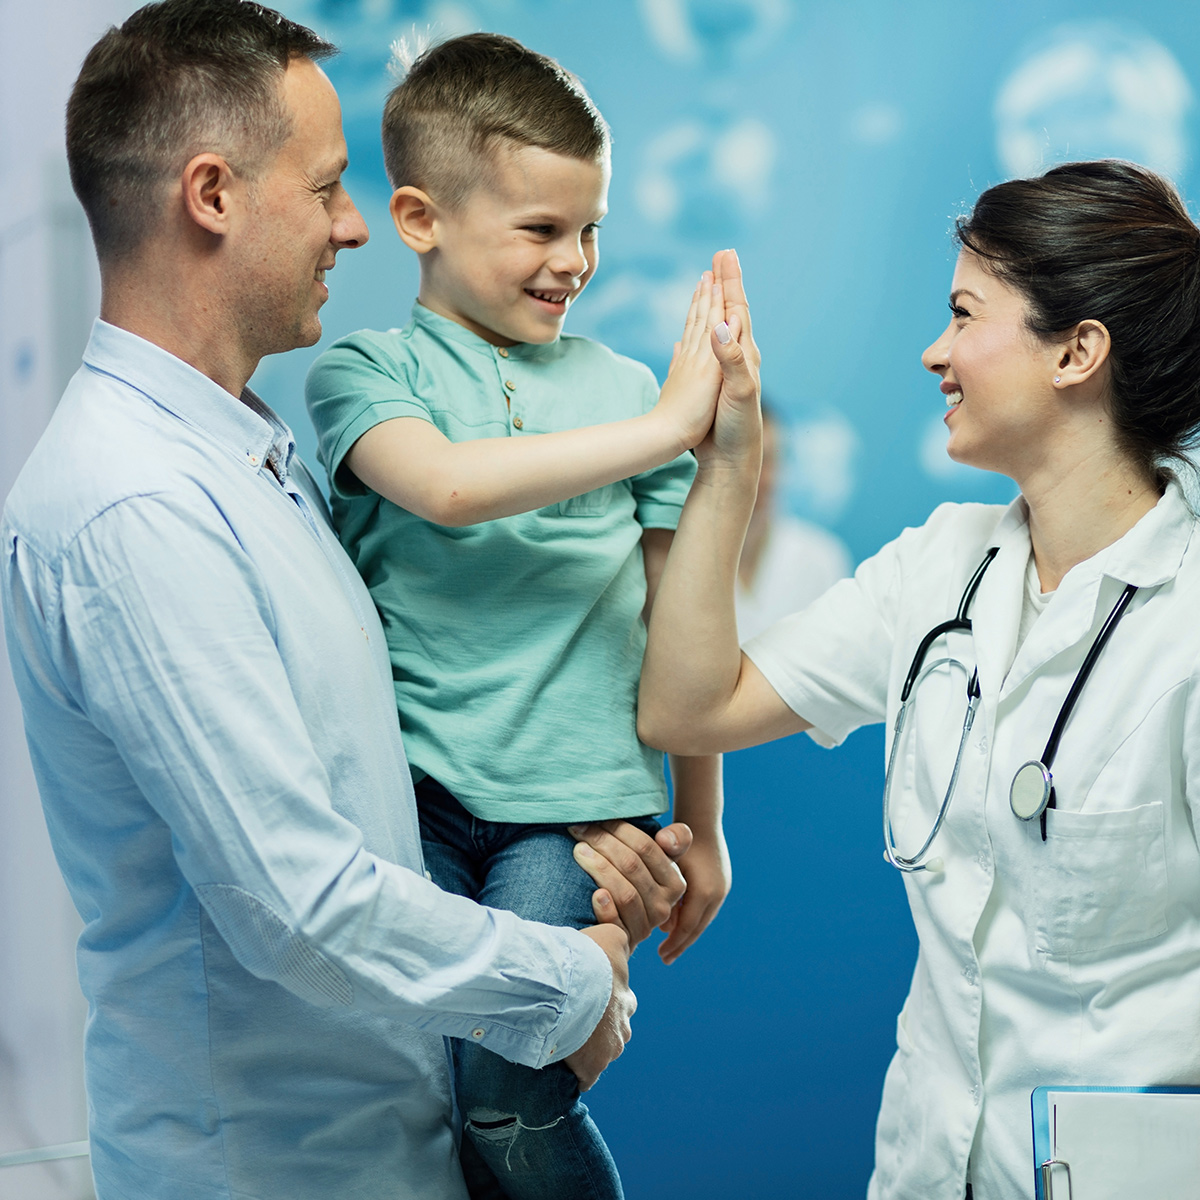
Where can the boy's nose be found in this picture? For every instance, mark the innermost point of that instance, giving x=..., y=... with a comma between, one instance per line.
x=569, y=259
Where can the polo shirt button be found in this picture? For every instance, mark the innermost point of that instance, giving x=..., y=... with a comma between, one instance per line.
x=477, y=1034
x=502, y=351
x=252, y=459
x=518, y=423
x=508, y=383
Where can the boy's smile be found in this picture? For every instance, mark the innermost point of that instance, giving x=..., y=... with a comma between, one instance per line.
x=510, y=260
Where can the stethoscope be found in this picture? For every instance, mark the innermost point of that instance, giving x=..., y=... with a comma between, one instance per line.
x=1032, y=790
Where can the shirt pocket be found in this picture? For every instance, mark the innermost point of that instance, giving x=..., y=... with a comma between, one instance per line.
x=1103, y=883
x=591, y=504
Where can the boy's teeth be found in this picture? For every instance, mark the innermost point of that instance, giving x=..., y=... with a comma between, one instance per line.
x=552, y=297
x=953, y=399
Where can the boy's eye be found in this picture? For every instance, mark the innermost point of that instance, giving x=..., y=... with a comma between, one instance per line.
x=540, y=230
x=590, y=231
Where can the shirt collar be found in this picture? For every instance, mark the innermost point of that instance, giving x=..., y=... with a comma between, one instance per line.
x=451, y=331
x=246, y=427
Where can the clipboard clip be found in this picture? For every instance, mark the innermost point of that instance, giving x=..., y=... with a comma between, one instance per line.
x=1047, y=1173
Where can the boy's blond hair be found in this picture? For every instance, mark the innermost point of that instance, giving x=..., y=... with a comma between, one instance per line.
x=462, y=97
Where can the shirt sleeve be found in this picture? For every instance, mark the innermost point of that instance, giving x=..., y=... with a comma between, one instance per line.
x=830, y=663
x=660, y=492
x=355, y=385
x=156, y=627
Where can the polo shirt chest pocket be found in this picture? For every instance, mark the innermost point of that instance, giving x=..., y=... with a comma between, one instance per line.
x=591, y=504
x=1102, y=883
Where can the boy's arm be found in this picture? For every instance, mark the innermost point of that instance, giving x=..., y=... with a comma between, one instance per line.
x=414, y=465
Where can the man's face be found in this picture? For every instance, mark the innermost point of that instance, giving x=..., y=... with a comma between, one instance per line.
x=299, y=217
x=509, y=262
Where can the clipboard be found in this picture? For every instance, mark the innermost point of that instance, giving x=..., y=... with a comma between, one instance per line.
x=1101, y=1143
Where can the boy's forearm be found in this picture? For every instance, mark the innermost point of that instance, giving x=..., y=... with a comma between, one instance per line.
x=462, y=483
x=699, y=796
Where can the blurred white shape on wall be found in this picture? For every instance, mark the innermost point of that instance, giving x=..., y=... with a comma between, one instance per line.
x=818, y=475
x=876, y=124
x=1094, y=90
x=695, y=31
x=931, y=452
x=636, y=312
x=698, y=171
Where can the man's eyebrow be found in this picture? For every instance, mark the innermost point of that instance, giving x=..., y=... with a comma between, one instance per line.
x=334, y=172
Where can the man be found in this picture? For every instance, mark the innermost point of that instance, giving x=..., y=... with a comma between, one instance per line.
x=206, y=687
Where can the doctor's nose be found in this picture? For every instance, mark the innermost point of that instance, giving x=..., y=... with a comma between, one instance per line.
x=936, y=357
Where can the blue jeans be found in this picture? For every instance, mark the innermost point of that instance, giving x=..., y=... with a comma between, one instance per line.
x=527, y=1134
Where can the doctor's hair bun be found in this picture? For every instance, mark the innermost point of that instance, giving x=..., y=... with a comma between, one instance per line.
x=1108, y=241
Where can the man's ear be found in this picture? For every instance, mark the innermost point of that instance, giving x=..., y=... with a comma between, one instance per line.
x=415, y=216
x=208, y=185
x=1083, y=353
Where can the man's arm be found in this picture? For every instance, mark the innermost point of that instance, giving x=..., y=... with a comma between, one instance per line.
x=162, y=633
x=413, y=464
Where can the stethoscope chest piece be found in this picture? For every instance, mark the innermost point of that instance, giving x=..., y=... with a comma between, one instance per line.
x=1031, y=789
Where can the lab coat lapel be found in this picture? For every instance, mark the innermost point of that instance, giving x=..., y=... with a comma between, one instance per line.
x=996, y=614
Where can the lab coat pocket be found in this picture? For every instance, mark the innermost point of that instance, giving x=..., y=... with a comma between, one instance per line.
x=1103, y=882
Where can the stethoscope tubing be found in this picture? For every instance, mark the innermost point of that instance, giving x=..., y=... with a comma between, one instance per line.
x=917, y=673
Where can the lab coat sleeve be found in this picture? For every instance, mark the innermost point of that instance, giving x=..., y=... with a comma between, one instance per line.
x=830, y=663
x=156, y=626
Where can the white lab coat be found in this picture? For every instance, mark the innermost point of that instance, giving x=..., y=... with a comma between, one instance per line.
x=1070, y=961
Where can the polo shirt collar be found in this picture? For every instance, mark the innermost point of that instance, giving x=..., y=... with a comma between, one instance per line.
x=245, y=427
x=451, y=331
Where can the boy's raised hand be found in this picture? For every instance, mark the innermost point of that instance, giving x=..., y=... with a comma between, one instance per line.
x=689, y=395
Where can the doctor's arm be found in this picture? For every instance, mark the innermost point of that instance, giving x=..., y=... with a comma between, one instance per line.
x=699, y=693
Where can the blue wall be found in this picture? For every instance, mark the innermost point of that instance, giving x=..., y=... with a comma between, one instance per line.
x=831, y=141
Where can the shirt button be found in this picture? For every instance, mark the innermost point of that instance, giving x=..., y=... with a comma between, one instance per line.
x=508, y=383
x=518, y=423
x=968, y=973
x=975, y=1094
x=477, y=1034
x=252, y=459
x=502, y=351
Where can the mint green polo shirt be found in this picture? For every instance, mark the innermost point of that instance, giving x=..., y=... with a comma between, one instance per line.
x=516, y=644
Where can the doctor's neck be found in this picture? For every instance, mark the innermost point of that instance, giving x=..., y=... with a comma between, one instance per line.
x=1075, y=513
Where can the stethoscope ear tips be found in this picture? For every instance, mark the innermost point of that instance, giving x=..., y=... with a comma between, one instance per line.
x=935, y=866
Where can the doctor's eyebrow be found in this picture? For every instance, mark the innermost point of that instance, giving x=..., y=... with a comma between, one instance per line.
x=954, y=295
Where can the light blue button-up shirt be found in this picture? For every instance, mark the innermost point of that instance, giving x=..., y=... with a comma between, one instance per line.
x=208, y=704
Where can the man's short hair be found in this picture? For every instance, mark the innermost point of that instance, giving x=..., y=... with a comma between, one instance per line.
x=177, y=79
x=463, y=97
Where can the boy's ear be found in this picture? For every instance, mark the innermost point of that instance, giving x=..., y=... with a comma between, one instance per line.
x=415, y=216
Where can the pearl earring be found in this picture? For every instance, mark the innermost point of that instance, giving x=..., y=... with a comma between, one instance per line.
x=1058, y=379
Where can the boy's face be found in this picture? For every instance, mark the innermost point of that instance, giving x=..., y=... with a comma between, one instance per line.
x=510, y=260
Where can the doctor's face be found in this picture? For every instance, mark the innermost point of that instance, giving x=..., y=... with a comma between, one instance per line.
x=997, y=376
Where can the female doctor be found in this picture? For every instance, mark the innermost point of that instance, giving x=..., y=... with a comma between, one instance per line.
x=1049, y=838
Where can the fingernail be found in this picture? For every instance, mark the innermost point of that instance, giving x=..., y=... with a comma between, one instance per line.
x=577, y=830
x=672, y=839
x=584, y=850
x=602, y=901
x=723, y=334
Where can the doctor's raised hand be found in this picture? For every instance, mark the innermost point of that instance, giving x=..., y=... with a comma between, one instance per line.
x=1036, y=666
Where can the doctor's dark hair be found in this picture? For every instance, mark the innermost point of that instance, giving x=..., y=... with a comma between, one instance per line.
x=463, y=97
x=175, y=80
x=1112, y=242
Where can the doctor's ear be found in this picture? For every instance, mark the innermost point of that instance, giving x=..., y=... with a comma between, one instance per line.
x=1082, y=354
x=209, y=185
x=415, y=216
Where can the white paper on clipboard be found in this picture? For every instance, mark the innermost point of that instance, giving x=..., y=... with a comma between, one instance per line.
x=1126, y=1144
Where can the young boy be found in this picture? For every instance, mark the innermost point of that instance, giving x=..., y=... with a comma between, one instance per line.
x=509, y=495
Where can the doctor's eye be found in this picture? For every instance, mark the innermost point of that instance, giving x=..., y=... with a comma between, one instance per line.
x=958, y=311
